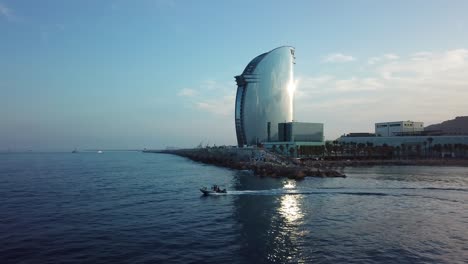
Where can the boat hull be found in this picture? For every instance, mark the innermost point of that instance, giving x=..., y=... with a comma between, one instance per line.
x=210, y=192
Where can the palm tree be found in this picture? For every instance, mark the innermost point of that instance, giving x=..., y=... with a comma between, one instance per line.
x=353, y=148
x=450, y=149
x=425, y=149
x=438, y=148
x=398, y=149
x=403, y=150
x=346, y=148
x=464, y=149
x=418, y=150
x=385, y=150
x=328, y=148
x=370, y=148
x=360, y=147
x=281, y=147
x=430, y=140
x=291, y=151
x=391, y=150
x=445, y=148
x=456, y=149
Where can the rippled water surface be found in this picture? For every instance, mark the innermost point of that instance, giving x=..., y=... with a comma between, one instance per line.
x=130, y=207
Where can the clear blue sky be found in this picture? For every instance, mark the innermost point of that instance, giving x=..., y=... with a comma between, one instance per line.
x=156, y=73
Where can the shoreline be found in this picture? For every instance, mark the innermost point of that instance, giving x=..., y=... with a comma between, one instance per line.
x=268, y=165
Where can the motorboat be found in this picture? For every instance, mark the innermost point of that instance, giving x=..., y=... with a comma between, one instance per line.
x=213, y=190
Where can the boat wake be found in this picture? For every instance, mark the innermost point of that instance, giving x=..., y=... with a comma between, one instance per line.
x=305, y=191
x=396, y=192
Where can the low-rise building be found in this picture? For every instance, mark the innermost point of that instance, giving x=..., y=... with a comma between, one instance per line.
x=411, y=137
x=389, y=129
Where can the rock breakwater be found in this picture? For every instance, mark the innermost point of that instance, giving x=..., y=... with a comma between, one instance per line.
x=261, y=162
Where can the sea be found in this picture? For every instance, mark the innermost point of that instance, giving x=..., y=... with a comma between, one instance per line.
x=133, y=207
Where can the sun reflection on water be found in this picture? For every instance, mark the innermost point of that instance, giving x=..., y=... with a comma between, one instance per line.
x=290, y=207
x=289, y=185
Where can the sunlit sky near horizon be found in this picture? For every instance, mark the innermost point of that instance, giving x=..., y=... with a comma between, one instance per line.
x=119, y=74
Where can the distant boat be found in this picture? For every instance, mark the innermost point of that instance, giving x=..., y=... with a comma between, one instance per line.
x=99, y=151
x=75, y=151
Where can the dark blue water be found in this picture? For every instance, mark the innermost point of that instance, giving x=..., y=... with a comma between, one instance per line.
x=129, y=207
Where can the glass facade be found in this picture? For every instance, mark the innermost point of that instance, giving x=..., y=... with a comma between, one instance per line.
x=265, y=96
x=300, y=131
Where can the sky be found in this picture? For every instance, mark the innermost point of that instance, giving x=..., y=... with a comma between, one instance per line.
x=133, y=74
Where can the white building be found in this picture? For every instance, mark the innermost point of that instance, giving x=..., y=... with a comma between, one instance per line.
x=398, y=128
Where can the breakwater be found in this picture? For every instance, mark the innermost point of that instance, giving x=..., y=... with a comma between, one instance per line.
x=261, y=162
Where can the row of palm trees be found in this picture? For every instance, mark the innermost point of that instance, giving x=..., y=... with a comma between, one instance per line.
x=424, y=150
x=354, y=150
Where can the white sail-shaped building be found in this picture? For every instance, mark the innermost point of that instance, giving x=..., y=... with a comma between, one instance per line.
x=265, y=96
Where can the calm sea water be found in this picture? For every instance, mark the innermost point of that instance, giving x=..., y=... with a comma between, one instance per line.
x=130, y=207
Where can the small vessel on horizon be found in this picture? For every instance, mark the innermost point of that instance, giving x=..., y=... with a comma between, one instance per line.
x=75, y=151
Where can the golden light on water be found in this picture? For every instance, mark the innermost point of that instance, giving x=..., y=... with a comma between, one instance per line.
x=289, y=185
x=290, y=208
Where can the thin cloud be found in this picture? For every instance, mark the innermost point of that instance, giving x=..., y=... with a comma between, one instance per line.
x=383, y=58
x=423, y=66
x=358, y=84
x=390, y=56
x=327, y=84
x=223, y=106
x=161, y=5
x=165, y=3
x=424, y=86
x=6, y=12
x=211, y=96
x=187, y=92
x=338, y=57
x=373, y=60
x=47, y=31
